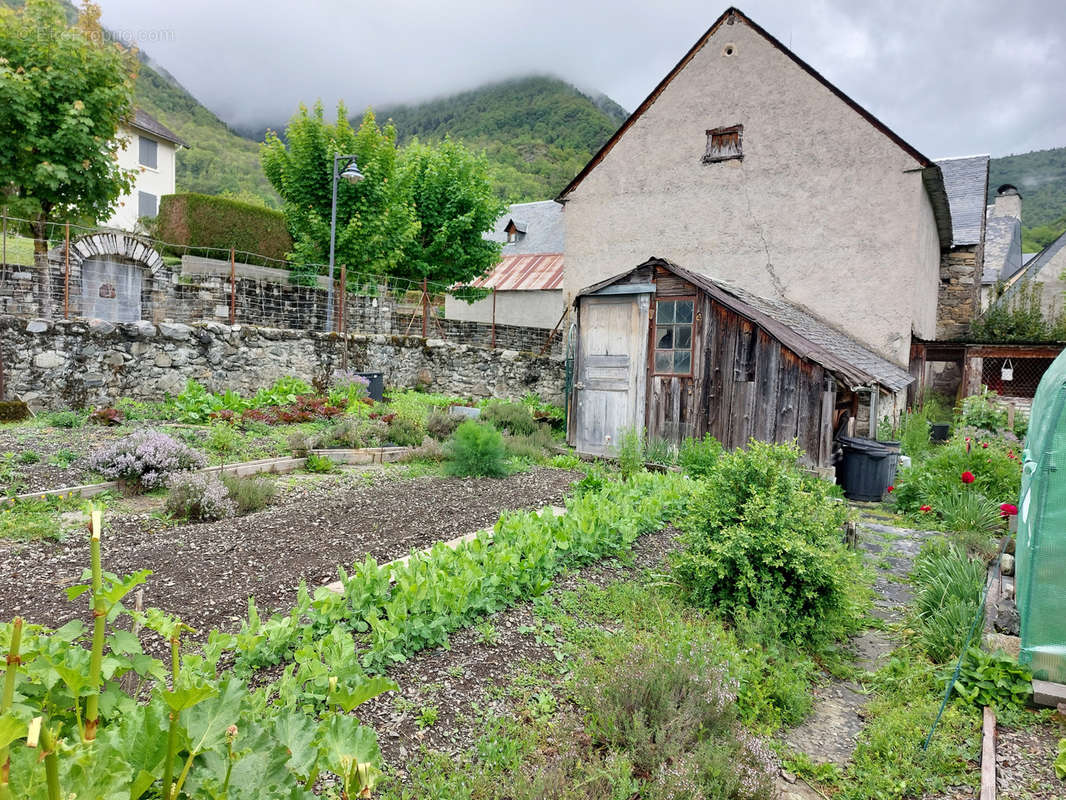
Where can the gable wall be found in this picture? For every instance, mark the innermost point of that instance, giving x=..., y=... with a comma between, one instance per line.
x=820, y=194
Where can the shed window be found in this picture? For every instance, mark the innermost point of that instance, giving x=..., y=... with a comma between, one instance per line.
x=724, y=144
x=148, y=155
x=673, y=336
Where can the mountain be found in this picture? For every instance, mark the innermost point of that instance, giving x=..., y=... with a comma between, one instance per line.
x=537, y=132
x=1041, y=178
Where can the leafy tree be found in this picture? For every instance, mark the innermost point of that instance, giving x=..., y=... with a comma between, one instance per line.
x=376, y=222
x=63, y=92
x=455, y=204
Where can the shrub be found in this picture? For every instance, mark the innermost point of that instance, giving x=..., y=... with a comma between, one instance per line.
x=319, y=463
x=514, y=418
x=440, y=424
x=145, y=457
x=65, y=419
x=698, y=456
x=429, y=450
x=476, y=449
x=761, y=535
x=249, y=493
x=219, y=223
x=348, y=388
x=533, y=447
x=300, y=442
x=406, y=432
x=199, y=497
x=355, y=433
x=948, y=592
x=996, y=469
x=983, y=411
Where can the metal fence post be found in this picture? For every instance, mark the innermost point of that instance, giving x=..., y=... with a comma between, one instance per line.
x=66, y=272
x=493, y=317
x=425, y=309
x=232, y=286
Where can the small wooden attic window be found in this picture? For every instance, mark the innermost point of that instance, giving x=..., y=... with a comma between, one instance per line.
x=724, y=144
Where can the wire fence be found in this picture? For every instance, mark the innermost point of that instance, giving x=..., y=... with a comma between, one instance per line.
x=97, y=273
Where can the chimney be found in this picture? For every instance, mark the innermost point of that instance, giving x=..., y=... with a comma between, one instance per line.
x=1008, y=202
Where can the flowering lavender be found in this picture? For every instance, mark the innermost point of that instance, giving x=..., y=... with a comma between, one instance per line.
x=350, y=382
x=147, y=457
x=199, y=496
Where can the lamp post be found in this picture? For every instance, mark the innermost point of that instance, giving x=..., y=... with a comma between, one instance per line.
x=352, y=174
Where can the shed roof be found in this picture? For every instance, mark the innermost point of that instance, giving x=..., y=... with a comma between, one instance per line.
x=1035, y=265
x=1003, y=248
x=144, y=121
x=541, y=226
x=966, y=184
x=525, y=272
x=804, y=334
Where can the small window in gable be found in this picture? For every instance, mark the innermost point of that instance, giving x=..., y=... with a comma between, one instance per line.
x=724, y=144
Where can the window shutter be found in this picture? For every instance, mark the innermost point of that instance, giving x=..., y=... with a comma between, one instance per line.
x=149, y=153
x=147, y=204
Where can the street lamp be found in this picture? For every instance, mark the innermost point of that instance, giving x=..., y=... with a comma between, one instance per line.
x=351, y=174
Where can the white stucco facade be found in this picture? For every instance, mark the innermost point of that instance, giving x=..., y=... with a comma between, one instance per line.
x=823, y=210
x=151, y=181
x=533, y=308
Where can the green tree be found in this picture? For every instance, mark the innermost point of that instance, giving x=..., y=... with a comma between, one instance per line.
x=455, y=204
x=63, y=93
x=375, y=219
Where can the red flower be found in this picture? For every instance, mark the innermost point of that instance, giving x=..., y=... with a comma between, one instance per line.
x=1008, y=510
x=967, y=477
x=984, y=445
x=925, y=509
x=1010, y=454
x=891, y=488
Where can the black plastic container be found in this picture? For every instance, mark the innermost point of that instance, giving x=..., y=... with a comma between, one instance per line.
x=867, y=469
x=939, y=431
x=376, y=389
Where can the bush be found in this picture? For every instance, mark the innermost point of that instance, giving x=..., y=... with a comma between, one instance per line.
x=697, y=457
x=355, y=433
x=948, y=592
x=199, y=497
x=996, y=469
x=219, y=223
x=630, y=453
x=534, y=447
x=145, y=457
x=319, y=463
x=249, y=493
x=429, y=450
x=514, y=418
x=983, y=411
x=65, y=419
x=440, y=424
x=406, y=432
x=476, y=449
x=761, y=535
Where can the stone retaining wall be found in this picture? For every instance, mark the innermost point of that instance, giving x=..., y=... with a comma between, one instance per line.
x=90, y=363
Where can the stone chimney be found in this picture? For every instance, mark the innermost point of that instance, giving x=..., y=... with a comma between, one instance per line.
x=1008, y=202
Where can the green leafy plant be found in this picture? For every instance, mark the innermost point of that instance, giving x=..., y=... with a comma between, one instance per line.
x=405, y=432
x=984, y=412
x=440, y=424
x=993, y=679
x=515, y=418
x=630, y=453
x=65, y=419
x=64, y=458
x=697, y=457
x=249, y=493
x=27, y=457
x=428, y=716
x=659, y=451
x=763, y=536
x=476, y=449
x=1060, y=761
x=319, y=463
x=947, y=598
x=967, y=510
x=996, y=469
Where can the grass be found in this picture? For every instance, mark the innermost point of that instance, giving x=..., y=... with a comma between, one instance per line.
x=19, y=250
x=36, y=518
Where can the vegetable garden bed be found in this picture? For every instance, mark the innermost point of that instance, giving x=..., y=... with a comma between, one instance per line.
x=206, y=572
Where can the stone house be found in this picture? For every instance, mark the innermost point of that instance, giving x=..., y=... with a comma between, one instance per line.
x=527, y=283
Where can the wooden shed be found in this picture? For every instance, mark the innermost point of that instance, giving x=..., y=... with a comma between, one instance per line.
x=676, y=354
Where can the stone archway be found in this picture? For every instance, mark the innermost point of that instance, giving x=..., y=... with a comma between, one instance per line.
x=114, y=276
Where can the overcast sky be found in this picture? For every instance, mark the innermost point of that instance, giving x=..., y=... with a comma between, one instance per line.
x=952, y=77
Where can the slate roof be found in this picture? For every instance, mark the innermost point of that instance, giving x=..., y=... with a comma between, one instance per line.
x=966, y=183
x=532, y=272
x=541, y=226
x=1036, y=263
x=804, y=334
x=144, y=121
x=1003, y=248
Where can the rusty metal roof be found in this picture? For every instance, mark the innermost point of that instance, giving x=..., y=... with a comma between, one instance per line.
x=527, y=272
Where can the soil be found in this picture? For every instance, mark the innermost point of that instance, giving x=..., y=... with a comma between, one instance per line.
x=468, y=682
x=206, y=572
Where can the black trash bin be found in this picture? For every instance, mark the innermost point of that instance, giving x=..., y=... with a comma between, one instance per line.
x=867, y=469
x=376, y=388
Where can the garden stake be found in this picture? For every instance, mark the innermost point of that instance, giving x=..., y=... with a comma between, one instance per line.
x=172, y=733
x=6, y=700
x=92, y=704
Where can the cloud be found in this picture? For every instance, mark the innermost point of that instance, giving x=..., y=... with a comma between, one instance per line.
x=951, y=78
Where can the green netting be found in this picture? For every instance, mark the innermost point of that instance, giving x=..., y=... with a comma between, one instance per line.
x=1041, y=545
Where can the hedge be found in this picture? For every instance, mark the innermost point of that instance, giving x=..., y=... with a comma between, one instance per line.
x=202, y=221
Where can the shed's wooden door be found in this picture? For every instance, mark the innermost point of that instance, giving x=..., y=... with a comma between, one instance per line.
x=610, y=385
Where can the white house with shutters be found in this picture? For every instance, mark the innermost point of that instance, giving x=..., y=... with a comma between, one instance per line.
x=151, y=149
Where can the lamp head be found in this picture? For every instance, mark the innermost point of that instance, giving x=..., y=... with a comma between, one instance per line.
x=351, y=172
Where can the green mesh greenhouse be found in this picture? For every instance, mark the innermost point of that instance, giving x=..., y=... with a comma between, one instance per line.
x=1041, y=545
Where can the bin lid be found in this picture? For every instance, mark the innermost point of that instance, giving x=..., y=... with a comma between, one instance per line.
x=870, y=446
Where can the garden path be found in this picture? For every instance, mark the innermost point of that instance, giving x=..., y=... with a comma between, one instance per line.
x=829, y=734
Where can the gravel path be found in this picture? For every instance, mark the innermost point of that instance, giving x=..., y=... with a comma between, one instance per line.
x=206, y=572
